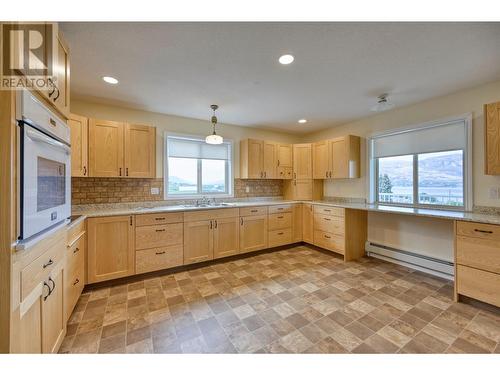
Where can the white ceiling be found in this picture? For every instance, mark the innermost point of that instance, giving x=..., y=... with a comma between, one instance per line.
x=339, y=68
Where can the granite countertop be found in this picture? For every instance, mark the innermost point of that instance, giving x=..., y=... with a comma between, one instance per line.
x=99, y=210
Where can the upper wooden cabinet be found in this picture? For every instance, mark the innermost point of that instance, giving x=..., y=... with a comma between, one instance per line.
x=265, y=160
x=119, y=149
x=302, y=161
x=337, y=158
x=62, y=74
x=79, y=145
x=492, y=138
x=110, y=248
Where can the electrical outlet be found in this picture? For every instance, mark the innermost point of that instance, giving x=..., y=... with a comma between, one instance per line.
x=247, y=189
x=493, y=192
x=155, y=191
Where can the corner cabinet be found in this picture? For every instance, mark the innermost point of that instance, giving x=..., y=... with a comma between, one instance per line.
x=79, y=127
x=110, y=248
x=118, y=149
x=492, y=138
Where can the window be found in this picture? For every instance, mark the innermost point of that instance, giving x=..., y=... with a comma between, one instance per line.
x=194, y=168
x=424, y=166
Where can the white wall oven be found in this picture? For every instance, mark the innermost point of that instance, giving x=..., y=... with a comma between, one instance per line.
x=45, y=169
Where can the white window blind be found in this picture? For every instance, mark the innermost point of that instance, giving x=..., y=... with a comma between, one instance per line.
x=179, y=147
x=448, y=136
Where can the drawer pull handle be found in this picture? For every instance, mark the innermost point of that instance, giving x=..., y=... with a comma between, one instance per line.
x=49, y=263
x=483, y=231
x=160, y=230
x=160, y=218
x=241, y=221
x=76, y=281
x=327, y=236
x=280, y=233
x=280, y=217
x=327, y=219
x=160, y=252
x=279, y=208
x=48, y=294
x=254, y=210
x=324, y=209
x=77, y=249
x=53, y=283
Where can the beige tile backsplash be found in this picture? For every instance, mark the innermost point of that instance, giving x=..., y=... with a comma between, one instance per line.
x=92, y=190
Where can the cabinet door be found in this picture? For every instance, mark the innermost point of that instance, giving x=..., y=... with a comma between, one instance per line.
x=62, y=74
x=307, y=223
x=198, y=241
x=297, y=222
x=492, y=138
x=79, y=145
x=53, y=318
x=269, y=160
x=340, y=158
x=106, y=148
x=255, y=158
x=226, y=237
x=253, y=233
x=110, y=248
x=303, y=189
x=28, y=329
x=321, y=160
x=284, y=153
x=140, y=151
x=302, y=161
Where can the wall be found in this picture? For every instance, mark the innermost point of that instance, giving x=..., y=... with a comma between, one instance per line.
x=431, y=237
x=180, y=125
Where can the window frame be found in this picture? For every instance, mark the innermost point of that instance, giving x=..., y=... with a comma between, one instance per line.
x=373, y=165
x=229, y=170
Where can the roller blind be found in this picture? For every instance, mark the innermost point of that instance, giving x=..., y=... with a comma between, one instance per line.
x=196, y=149
x=444, y=137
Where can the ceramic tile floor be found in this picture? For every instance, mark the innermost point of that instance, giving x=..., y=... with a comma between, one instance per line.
x=297, y=300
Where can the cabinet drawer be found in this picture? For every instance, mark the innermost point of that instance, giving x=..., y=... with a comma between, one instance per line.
x=75, y=231
x=74, y=280
x=285, y=173
x=280, y=237
x=481, y=285
x=280, y=209
x=158, y=236
x=479, y=253
x=210, y=214
x=162, y=218
x=280, y=221
x=331, y=211
x=38, y=270
x=330, y=224
x=478, y=230
x=253, y=211
x=75, y=252
x=329, y=241
x=158, y=258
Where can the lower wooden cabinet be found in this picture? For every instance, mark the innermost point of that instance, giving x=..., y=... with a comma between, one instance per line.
x=159, y=258
x=53, y=318
x=226, y=237
x=198, y=241
x=253, y=233
x=110, y=248
x=297, y=222
x=74, y=276
x=307, y=223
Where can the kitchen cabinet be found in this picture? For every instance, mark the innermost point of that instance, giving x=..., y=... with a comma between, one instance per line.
x=253, y=232
x=198, y=241
x=140, y=151
x=61, y=73
x=118, y=149
x=106, y=148
x=337, y=158
x=251, y=158
x=79, y=145
x=110, y=248
x=297, y=222
x=305, y=190
x=307, y=222
x=265, y=160
x=492, y=138
x=226, y=237
x=74, y=275
x=302, y=161
x=269, y=160
x=285, y=161
x=53, y=318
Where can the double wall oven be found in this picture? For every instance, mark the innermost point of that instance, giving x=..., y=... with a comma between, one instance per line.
x=44, y=166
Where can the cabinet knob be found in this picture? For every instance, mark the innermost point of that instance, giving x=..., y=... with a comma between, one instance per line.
x=49, y=263
x=76, y=281
x=77, y=249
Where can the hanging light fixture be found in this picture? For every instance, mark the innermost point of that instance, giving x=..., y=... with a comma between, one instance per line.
x=383, y=104
x=214, y=138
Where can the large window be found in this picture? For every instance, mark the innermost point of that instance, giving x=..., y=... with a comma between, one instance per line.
x=424, y=166
x=194, y=168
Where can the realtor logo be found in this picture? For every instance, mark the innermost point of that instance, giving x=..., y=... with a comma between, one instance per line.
x=27, y=55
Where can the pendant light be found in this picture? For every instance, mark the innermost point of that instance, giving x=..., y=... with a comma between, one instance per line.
x=383, y=104
x=214, y=138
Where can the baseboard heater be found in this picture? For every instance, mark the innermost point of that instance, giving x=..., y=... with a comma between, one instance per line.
x=433, y=266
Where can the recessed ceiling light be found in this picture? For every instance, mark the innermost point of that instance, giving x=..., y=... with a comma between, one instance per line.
x=286, y=59
x=110, y=80
x=302, y=121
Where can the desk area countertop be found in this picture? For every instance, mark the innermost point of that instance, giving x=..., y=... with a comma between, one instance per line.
x=99, y=210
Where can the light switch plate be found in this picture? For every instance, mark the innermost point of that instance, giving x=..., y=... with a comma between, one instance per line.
x=247, y=189
x=155, y=191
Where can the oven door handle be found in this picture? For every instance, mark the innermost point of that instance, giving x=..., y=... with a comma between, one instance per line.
x=37, y=137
